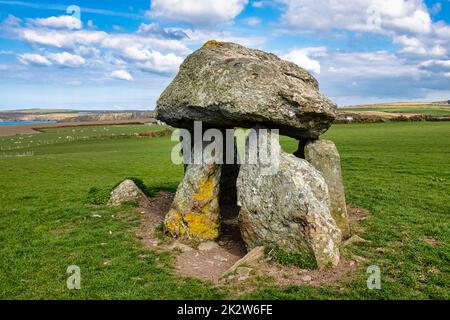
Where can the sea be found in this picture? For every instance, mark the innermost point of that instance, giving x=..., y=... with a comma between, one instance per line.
x=15, y=123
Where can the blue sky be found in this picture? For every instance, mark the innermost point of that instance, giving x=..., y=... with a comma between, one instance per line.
x=121, y=54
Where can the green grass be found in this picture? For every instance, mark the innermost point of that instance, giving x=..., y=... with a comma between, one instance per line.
x=432, y=110
x=399, y=171
x=63, y=135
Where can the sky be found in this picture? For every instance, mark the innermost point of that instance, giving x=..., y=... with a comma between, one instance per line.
x=117, y=55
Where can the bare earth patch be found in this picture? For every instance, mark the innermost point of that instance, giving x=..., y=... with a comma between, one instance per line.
x=210, y=260
x=153, y=214
x=287, y=276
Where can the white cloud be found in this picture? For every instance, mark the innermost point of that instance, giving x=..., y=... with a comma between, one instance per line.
x=412, y=45
x=87, y=51
x=69, y=39
x=152, y=60
x=378, y=76
x=34, y=59
x=360, y=15
x=252, y=21
x=198, y=12
x=155, y=30
x=67, y=59
x=261, y=3
x=156, y=62
x=436, y=66
x=121, y=75
x=62, y=38
x=61, y=59
x=369, y=64
x=60, y=22
x=151, y=48
x=406, y=23
x=301, y=57
x=195, y=37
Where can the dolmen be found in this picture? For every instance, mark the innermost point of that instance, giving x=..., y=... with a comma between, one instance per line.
x=292, y=202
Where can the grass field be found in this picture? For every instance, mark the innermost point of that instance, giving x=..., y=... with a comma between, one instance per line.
x=432, y=110
x=400, y=172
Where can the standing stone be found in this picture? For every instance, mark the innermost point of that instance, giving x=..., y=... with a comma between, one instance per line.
x=324, y=156
x=288, y=209
x=195, y=209
x=227, y=85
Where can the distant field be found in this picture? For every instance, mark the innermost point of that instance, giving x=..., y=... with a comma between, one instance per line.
x=36, y=128
x=61, y=135
x=398, y=171
x=74, y=116
x=433, y=110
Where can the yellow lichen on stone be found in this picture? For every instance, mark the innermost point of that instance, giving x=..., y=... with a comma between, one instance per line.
x=200, y=226
x=196, y=213
x=174, y=224
x=212, y=43
x=205, y=189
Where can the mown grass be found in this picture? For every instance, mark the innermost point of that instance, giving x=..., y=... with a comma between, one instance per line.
x=398, y=171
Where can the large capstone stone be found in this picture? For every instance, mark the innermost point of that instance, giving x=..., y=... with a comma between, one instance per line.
x=227, y=85
x=289, y=210
x=324, y=156
x=195, y=212
x=125, y=192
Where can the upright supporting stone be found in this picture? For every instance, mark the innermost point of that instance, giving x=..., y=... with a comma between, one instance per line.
x=324, y=156
x=195, y=210
x=289, y=210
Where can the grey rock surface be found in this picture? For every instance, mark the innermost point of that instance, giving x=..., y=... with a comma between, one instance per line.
x=288, y=210
x=126, y=191
x=227, y=85
x=324, y=156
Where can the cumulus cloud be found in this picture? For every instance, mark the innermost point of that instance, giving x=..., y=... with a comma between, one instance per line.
x=378, y=76
x=60, y=22
x=197, y=12
x=416, y=46
x=64, y=39
x=67, y=59
x=413, y=67
x=154, y=29
x=61, y=38
x=88, y=52
x=61, y=59
x=121, y=75
x=436, y=66
x=302, y=57
x=201, y=36
x=154, y=61
x=361, y=15
x=407, y=23
x=34, y=59
x=261, y=3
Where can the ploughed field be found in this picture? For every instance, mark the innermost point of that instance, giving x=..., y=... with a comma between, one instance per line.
x=399, y=172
